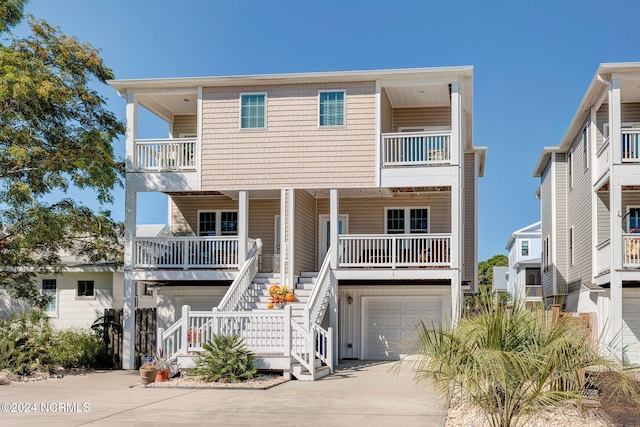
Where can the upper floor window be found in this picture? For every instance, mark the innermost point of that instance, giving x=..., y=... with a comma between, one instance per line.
x=331, y=112
x=524, y=248
x=633, y=219
x=85, y=288
x=397, y=223
x=215, y=223
x=252, y=110
x=546, y=253
x=570, y=167
x=585, y=157
x=49, y=288
x=571, y=245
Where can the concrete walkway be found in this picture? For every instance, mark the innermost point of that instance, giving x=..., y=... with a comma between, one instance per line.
x=358, y=394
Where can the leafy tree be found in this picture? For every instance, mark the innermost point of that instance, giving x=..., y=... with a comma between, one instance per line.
x=485, y=268
x=55, y=133
x=511, y=363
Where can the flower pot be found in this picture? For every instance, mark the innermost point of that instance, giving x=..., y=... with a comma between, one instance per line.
x=148, y=375
x=160, y=377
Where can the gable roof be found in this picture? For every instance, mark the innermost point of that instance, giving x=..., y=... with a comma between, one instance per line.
x=535, y=228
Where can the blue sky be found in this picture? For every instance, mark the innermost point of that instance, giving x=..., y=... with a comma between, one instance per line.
x=533, y=62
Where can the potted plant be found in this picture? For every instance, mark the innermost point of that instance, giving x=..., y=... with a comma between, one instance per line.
x=163, y=364
x=148, y=370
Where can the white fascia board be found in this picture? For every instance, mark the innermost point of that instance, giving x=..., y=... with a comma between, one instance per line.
x=408, y=74
x=544, y=159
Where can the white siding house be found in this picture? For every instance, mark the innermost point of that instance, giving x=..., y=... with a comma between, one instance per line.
x=358, y=189
x=590, y=210
x=524, y=251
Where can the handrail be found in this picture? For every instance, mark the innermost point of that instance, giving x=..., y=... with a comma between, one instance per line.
x=165, y=154
x=242, y=282
x=169, y=340
x=416, y=148
x=319, y=298
x=323, y=344
x=301, y=346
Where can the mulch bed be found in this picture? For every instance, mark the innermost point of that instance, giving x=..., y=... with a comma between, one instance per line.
x=622, y=411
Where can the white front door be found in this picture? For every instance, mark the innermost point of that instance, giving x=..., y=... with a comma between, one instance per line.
x=325, y=233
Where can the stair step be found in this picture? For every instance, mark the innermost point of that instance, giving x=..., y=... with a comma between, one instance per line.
x=309, y=274
x=304, y=375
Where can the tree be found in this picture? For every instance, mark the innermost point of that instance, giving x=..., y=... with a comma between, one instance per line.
x=55, y=134
x=510, y=362
x=485, y=268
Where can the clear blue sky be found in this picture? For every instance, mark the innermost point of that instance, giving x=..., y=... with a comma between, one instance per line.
x=533, y=62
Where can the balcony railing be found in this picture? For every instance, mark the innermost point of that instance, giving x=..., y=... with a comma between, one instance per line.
x=630, y=145
x=394, y=250
x=416, y=148
x=533, y=291
x=170, y=154
x=631, y=250
x=187, y=252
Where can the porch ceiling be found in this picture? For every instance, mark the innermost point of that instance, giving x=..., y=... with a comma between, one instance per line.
x=419, y=96
x=630, y=90
x=168, y=105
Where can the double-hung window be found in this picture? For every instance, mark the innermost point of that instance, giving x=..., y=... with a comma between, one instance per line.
x=331, y=111
x=49, y=288
x=253, y=110
x=525, y=248
x=217, y=223
x=85, y=288
x=407, y=220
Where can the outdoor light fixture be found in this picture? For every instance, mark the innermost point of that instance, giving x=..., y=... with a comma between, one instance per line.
x=349, y=299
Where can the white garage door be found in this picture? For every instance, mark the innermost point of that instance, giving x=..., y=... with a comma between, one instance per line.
x=389, y=323
x=631, y=331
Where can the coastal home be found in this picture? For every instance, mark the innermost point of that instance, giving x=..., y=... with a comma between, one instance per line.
x=590, y=210
x=357, y=189
x=79, y=295
x=524, y=281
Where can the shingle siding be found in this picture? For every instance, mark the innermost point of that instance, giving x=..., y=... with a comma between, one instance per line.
x=293, y=151
x=185, y=125
x=305, y=232
x=425, y=116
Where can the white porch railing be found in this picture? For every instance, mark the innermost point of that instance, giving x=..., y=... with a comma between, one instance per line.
x=263, y=331
x=187, y=252
x=166, y=154
x=319, y=299
x=630, y=145
x=234, y=297
x=603, y=257
x=631, y=250
x=394, y=250
x=416, y=148
x=602, y=159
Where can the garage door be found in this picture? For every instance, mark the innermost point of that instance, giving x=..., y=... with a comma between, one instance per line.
x=389, y=323
x=631, y=331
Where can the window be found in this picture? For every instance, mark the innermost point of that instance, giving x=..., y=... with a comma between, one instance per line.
x=524, y=248
x=49, y=288
x=571, y=245
x=633, y=219
x=546, y=254
x=85, y=288
x=252, y=111
x=585, y=156
x=570, y=168
x=418, y=220
x=605, y=131
x=217, y=223
x=331, y=110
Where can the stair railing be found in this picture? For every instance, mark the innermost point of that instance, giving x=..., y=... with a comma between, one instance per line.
x=235, y=294
x=319, y=298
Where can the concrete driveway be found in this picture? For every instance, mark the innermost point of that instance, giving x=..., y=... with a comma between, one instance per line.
x=358, y=394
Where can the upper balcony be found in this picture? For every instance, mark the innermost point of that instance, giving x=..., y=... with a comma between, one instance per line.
x=629, y=152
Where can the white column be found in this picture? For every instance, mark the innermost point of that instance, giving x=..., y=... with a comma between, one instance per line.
x=198, y=152
x=615, y=213
x=131, y=131
x=456, y=238
x=593, y=129
x=292, y=236
x=333, y=315
x=129, y=327
x=334, y=210
x=284, y=244
x=456, y=135
x=243, y=226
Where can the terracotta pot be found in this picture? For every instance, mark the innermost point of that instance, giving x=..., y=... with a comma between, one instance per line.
x=165, y=373
x=148, y=375
x=160, y=377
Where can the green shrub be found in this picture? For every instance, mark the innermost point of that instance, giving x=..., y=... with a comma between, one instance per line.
x=77, y=349
x=25, y=343
x=225, y=357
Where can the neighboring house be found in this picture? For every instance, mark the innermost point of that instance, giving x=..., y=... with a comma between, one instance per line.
x=499, y=281
x=524, y=278
x=357, y=188
x=590, y=210
x=79, y=295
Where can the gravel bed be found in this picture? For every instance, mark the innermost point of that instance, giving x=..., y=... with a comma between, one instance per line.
x=465, y=415
x=262, y=382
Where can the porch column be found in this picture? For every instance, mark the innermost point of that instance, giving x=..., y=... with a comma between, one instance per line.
x=128, y=345
x=456, y=136
x=334, y=210
x=128, y=328
x=615, y=213
x=455, y=248
x=284, y=244
x=243, y=226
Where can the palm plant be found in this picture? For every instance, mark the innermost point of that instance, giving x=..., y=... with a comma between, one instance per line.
x=510, y=362
x=225, y=357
